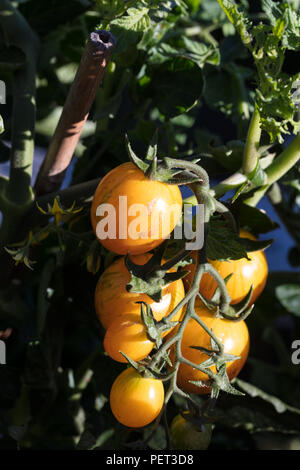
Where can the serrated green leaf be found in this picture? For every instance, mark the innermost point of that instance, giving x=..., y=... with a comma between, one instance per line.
x=202, y=53
x=128, y=28
x=267, y=44
x=255, y=245
x=222, y=243
x=238, y=19
x=230, y=156
x=272, y=10
x=253, y=219
x=276, y=107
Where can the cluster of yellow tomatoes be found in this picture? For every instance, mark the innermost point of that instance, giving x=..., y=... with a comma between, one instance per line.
x=136, y=400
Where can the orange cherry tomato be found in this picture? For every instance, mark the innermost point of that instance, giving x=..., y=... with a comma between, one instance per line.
x=233, y=335
x=152, y=210
x=136, y=401
x=129, y=335
x=244, y=274
x=113, y=300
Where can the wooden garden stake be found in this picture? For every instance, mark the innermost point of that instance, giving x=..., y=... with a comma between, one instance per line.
x=75, y=112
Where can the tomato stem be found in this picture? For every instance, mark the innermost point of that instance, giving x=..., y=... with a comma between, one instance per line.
x=278, y=168
x=16, y=194
x=232, y=182
x=251, y=154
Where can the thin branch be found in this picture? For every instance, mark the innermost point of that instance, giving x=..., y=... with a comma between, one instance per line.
x=278, y=168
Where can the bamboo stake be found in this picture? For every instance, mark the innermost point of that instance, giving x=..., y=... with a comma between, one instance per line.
x=75, y=112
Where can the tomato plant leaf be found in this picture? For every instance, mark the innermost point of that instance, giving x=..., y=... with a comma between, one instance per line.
x=255, y=245
x=177, y=85
x=230, y=156
x=289, y=297
x=222, y=243
x=274, y=98
x=272, y=9
x=128, y=28
x=225, y=90
x=202, y=53
x=253, y=219
x=238, y=19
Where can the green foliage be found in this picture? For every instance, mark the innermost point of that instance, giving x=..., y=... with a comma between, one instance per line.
x=289, y=296
x=254, y=220
x=128, y=29
x=188, y=68
x=223, y=244
x=268, y=44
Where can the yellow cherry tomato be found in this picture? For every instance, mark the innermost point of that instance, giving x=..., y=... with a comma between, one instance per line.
x=129, y=335
x=112, y=299
x=244, y=274
x=144, y=216
x=136, y=401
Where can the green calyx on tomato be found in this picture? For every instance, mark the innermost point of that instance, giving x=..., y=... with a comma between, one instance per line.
x=234, y=337
x=165, y=170
x=154, y=275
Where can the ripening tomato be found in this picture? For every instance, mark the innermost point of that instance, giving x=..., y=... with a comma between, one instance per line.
x=244, y=274
x=186, y=436
x=129, y=335
x=136, y=401
x=113, y=300
x=131, y=213
x=233, y=335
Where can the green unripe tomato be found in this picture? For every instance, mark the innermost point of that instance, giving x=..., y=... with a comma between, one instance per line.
x=186, y=436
